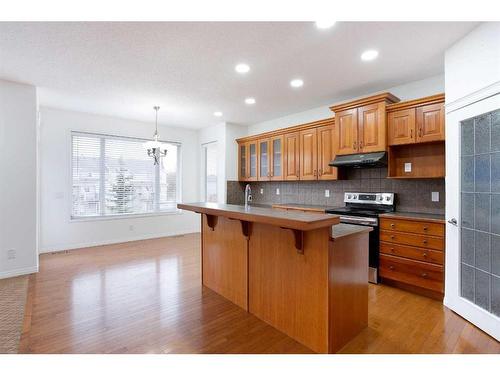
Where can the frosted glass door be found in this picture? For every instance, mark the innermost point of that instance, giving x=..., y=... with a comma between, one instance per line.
x=472, y=266
x=480, y=211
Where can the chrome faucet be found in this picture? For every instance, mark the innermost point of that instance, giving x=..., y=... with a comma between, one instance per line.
x=248, y=195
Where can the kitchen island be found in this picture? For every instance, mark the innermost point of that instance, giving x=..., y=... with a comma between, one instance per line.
x=303, y=273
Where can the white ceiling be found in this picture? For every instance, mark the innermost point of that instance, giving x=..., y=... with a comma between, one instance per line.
x=123, y=69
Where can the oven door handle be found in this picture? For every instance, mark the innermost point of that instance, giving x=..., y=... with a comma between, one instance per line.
x=359, y=220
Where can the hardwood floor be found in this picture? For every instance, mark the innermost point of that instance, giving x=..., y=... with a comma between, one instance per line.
x=146, y=297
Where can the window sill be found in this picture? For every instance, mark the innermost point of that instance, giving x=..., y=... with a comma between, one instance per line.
x=121, y=217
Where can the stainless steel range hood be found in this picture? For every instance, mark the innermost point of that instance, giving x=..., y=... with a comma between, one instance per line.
x=371, y=159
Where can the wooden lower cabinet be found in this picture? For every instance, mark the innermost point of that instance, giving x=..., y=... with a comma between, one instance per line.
x=412, y=255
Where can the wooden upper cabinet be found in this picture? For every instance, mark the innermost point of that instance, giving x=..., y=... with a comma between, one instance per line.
x=326, y=152
x=242, y=161
x=360, y=125
x=416, y=121
x=263, y=163
x=291, y=157
x=276, y=157
x=401, y=127
x=308, y=155
x=252, y=160
x=371, y=128
x=346, y=131
x=430, y=123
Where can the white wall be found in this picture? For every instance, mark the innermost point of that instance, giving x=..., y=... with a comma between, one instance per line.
x=473, y=63
x=408, y=91
x=57, y=232
x=18, y=179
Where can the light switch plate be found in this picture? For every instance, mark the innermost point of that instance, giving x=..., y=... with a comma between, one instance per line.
x=277, y=191
x=407, y=167
x=262, y=191
x=327, y=193
x=435, y=196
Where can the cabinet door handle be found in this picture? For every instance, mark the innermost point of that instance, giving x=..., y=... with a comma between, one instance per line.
x=391, y=268
x=411, y=133
x=354, y=145
x=424, y=275
x=315, y=173
x=320, y=172
x=360, y=144
x=420, y=132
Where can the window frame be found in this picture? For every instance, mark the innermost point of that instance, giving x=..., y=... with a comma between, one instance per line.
x=178, y=193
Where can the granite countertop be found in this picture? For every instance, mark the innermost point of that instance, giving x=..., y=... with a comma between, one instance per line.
x=343, y=230
x=415, y=216
x=267, y=215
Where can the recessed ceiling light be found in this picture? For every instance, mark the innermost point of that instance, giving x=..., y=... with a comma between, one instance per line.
x=250, y=100
x=296, y=83
x=242, y=68
x=369, y=55
x=218, y=114
x=325, y=24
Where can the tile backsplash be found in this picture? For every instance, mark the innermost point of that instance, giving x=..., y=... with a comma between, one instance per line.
x=412, y=195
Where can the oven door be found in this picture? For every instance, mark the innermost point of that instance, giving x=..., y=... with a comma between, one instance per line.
x=373, y=249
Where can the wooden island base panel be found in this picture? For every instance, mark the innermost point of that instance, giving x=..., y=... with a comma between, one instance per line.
x=288, y=268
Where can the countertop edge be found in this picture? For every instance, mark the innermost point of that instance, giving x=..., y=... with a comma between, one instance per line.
x=414, y=216
x=256, y=217
x=345, y=230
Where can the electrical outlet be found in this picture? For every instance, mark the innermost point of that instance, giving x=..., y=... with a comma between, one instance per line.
x=277, y=191
x=407, y=167
x=435, y=196
x=131, y=228
x=327, y=193
x=262, y=191
x=11, y=254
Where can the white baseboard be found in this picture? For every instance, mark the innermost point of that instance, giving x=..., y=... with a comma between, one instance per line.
x=53, y=249
x=18, y=272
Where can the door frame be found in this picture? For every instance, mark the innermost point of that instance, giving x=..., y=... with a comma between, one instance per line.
x=452, y=299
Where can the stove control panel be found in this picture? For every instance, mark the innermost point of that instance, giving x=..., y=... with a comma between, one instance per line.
x=373, y=198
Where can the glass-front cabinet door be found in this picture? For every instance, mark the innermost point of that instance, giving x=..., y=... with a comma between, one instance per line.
x=242, y=155
x=277, y=146
x=264, y=160
x=252, y=161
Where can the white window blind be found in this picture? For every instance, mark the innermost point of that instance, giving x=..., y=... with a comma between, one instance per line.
x=115, y=176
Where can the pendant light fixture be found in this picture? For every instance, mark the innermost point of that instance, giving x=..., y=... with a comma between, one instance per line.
x=155, y=148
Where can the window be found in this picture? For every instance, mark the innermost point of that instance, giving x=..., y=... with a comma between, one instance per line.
x=115, y=176
x=210, y=171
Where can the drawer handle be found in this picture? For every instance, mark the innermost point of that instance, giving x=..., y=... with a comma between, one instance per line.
x=425, y=228
x=391, y=267
x=424, y=275
x=392, y=225
x=392, y=237
x=424, y=241
x=424, y=255
x=392, y=249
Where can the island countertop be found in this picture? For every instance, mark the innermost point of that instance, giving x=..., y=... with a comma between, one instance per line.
x=287, y=219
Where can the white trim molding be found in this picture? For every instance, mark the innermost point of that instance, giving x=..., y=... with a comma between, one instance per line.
x=473, y=97
x=18, y=272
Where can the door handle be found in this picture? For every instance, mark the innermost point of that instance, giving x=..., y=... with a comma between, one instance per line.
x=453, y=221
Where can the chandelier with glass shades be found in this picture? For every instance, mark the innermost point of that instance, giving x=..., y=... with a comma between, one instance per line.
x=156, y=149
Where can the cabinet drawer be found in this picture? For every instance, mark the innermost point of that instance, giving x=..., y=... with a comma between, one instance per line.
x=420, y=227
x=424, y=275
x=436, y=243
x=417, y=253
